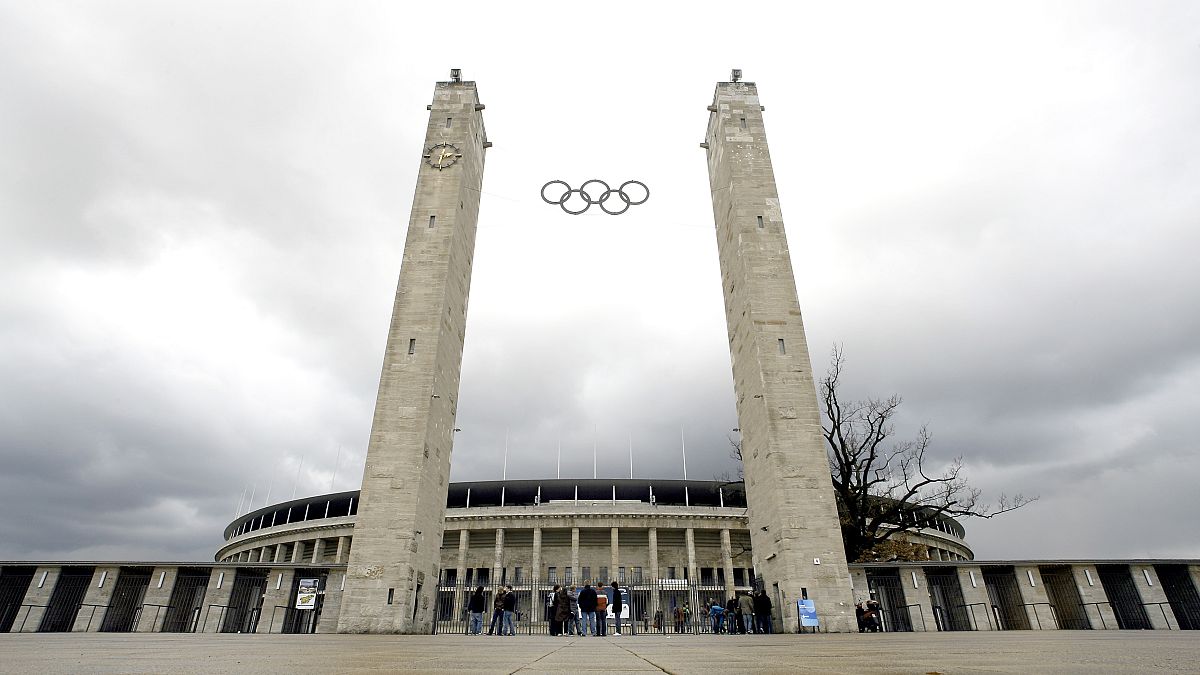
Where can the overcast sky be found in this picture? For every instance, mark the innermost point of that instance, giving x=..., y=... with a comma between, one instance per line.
x=995, y=209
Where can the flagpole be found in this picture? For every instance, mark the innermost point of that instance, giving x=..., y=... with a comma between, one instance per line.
x=683, y=445
x=335, y=468
x=296, y=482
x=504, y=471
x=560, y=459
x=593, y=451
x=631, y=455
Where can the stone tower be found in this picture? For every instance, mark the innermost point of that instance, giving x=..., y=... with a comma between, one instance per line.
x=394, y=563
x=793, y=517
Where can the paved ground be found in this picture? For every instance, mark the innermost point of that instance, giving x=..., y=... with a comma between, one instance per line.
x=922, y=653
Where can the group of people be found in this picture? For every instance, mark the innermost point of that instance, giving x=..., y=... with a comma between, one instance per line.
x=504, y=608
x=584, y=611
x=868, y=614
x=742, y=614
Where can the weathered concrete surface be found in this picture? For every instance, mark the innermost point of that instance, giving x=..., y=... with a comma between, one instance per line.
x=987, y=652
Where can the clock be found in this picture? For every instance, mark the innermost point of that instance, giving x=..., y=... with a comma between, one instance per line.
x=442, y=156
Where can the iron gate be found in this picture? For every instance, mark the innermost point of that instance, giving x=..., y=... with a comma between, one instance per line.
x=1064, y=597
x=66, y=599
x=245, y=602
x=126, y=602
x=886, y=589
x=1005, y=596
x=1124, y=597
x=187, y=600
x=945, y=593
x=14, y=582
x=1181, y=594
x=303, y=620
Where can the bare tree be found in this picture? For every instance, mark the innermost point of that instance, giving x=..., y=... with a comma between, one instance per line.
x=886, y=487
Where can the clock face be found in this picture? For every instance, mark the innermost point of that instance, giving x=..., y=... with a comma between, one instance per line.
x=442, y=156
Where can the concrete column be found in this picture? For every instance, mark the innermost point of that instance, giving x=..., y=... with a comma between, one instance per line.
x=340, y=557
x=99, y=594
x=276, y=596
x=318, y=551
x=1145, y=578
x=1035, y=598
x=297, y=547
x=162, y=582
x=727, y=562
x=615, y=551
x=220, y=589
x=916, y=591
x=574, y=553
x=278, y=557
x=654, y=572
x=331, y=606
x=40, y=587
x=979, y=607
x=1095, y=601
x=498, y=565
x=464, y=543
x=693, y=575
x=537, y=555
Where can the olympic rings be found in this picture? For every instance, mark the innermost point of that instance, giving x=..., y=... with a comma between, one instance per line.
x=602, y=201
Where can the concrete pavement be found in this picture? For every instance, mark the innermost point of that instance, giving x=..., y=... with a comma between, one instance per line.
x=922, y=653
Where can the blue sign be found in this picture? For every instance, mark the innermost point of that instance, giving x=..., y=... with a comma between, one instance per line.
x=808, y=613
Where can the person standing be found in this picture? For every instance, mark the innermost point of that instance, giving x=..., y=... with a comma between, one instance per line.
x=510, y=610
x=555, y=627
x=746, y=609
x=732, y=620
x=475, y=606
x=678, y=616
x=497, y=612
x=587, y=606
x=601, y=612
x=762, y=612
x=617, y=606
x=573, y=627
x=564, y=608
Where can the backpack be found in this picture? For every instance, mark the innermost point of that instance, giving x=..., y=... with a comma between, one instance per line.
x=601, y=602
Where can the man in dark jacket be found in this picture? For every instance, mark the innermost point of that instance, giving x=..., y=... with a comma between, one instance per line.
x=497, y=612
x=587, y=607
x=762, y=612
x=476, y=606
x=510, y=609
x=616, y=606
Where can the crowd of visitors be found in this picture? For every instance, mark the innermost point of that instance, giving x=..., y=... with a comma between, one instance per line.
x=584, y=611
x=742, y=614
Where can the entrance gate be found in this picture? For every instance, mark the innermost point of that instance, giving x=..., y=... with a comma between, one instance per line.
x=1181, y=594
x=14, y=582
x=187, y=600
x=1064, y=597
x=1007, y=610
x=1124, y=597
x=886, y=589
x=949, y=608
x=245, y=602
x=679, y=603
x=66, y=600
x=122, y=613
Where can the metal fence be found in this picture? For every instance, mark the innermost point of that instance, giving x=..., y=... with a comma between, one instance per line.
x=663, y=606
